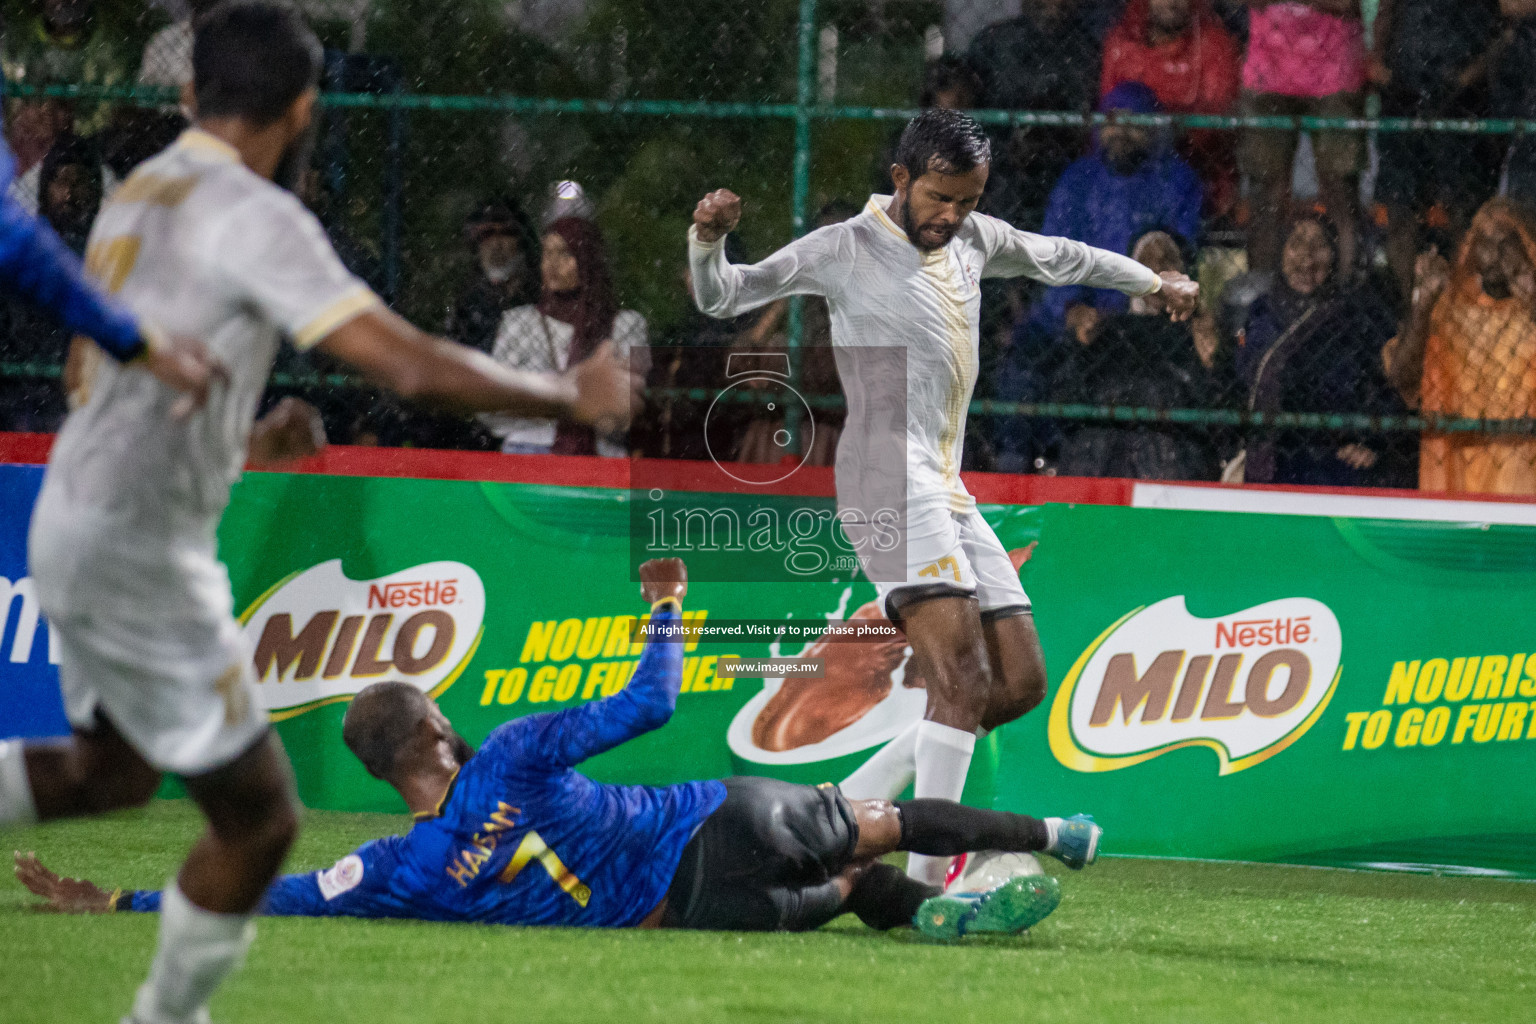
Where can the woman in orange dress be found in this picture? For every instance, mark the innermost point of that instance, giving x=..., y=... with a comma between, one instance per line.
x=1469, y=350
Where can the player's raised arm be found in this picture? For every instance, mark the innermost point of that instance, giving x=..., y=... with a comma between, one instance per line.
x=1062, y=261
x=812, y=265
x=563, y=739
x=601, y=391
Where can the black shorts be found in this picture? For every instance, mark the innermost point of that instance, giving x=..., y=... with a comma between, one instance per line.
x=766, y=860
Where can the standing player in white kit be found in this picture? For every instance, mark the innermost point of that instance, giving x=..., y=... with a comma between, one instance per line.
x=904, y=276
x=155, y=675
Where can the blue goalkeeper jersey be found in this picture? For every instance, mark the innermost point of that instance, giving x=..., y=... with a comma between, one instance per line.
x=521, y=837
x=36, y=265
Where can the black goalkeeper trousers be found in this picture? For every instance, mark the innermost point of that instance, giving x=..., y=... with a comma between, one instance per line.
x=766, y=860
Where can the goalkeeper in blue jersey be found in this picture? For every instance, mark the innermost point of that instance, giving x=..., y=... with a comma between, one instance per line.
x=512, y=834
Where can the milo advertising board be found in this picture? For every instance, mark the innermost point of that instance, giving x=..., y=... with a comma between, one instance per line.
x=502, y=600
x=1283, y=687
x=1221, y=685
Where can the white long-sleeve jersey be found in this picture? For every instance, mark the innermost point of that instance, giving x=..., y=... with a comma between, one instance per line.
x=885, y=293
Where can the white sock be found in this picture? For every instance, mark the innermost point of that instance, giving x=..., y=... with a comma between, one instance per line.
x=943, y=757
x=888, y=772
x=197, y=949
x=1052, y=833
x=16, y=804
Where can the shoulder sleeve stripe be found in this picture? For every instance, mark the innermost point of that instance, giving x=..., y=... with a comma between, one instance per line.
x=352, y=302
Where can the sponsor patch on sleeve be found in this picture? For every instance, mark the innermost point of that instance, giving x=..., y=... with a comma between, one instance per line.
x=343, y=876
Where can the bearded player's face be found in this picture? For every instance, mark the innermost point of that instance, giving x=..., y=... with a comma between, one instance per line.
x=936, y=204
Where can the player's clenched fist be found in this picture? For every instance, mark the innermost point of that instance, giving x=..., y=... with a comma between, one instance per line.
x=717, y=215
x=662, y=578
x=1180, y=294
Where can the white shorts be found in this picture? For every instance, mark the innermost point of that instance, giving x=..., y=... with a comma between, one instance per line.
x=948, y=550
x=146, y=635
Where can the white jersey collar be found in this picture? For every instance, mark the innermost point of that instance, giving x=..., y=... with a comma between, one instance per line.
x=876, y=209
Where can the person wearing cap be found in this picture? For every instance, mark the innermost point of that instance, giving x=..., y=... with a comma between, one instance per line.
x=506, y=255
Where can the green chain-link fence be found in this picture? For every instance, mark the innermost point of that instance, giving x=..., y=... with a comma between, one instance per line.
x=454, y=134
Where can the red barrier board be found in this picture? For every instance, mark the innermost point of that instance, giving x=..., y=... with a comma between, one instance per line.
x=988, y=488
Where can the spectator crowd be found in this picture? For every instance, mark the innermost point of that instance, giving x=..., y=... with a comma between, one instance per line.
x=1353, y=275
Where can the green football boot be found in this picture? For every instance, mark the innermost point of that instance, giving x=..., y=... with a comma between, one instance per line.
x=1016, y=905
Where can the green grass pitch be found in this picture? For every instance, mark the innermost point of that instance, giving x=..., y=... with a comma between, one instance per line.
x=1143, y=941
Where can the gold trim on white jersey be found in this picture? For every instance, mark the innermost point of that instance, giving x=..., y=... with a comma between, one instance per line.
x=939, y=266
x=354, y=302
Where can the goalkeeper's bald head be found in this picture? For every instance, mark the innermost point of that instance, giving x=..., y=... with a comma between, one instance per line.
x=390, y=724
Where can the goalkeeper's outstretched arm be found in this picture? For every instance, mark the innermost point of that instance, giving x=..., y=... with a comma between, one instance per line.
x=290, y=895
x=302, y=895
x=563, y=739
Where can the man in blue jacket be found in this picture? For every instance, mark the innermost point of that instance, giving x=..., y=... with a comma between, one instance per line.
x=513, y=834
x=1130, y=184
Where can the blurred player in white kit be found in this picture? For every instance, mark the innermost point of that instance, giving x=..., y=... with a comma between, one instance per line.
x=155, y=675
x=902, y=281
